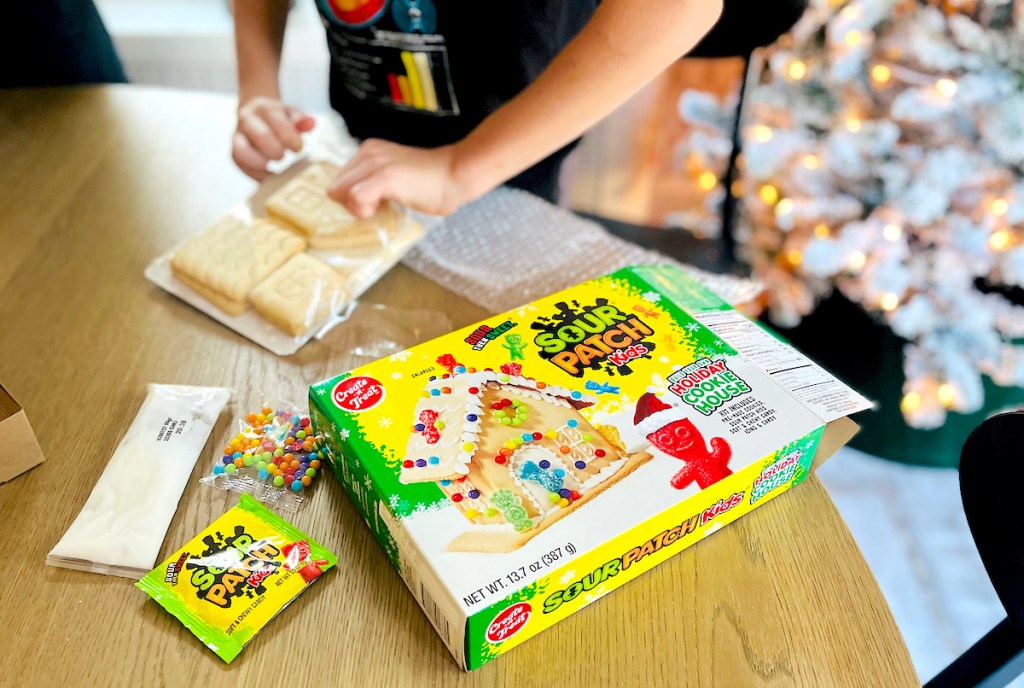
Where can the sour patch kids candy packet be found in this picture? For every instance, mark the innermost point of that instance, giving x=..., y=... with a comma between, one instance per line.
x=235, y=576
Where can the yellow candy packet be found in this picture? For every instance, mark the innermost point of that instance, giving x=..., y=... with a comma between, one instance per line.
x=231, y=579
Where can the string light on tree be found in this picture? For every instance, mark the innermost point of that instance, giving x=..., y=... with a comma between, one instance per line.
x=853, y=124
x=946, y=87
x=811, y=161
x=911, y=402
x=762, y=133
x=946, y=394
x=769, y=194
x=881, y=74
x=1000, y=240
x=796, y=70
x=889, y=301
x=999, y=207
x=892, y=232
x=707, y=181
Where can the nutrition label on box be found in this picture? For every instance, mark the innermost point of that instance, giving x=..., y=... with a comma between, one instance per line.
x=805, y=379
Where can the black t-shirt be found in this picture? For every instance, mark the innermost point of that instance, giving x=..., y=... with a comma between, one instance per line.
x=426, y=72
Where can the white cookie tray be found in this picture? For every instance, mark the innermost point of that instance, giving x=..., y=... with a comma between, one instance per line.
x=365, y=269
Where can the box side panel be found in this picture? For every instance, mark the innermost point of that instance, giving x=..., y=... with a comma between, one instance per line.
x=362, y=488
x=812, y=385
x=348, y=469
x=571, y=587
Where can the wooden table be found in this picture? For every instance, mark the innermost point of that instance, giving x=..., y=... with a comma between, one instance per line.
x=94, y=184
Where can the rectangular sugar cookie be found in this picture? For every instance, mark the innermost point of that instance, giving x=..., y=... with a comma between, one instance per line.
x=300, y=294
x=304, y=204
x=369, y=235
x=228, y=259
x=222, y=302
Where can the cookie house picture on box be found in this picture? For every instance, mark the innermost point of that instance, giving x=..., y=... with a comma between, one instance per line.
x=512, y=453
x=512, y=479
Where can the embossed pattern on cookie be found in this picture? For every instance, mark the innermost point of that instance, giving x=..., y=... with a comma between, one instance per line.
x=232, y=256
x=300, y=295
x=303, y=203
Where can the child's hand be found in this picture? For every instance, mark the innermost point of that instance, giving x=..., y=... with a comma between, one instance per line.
x=266, y=127
x=423, y=179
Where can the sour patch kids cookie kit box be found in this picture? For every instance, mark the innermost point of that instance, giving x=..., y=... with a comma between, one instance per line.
x=520, y=468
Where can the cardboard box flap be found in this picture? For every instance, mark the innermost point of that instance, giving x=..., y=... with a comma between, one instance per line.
x=837, y=434
x=19, y=448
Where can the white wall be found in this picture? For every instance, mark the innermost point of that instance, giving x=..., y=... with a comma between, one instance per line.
x=189, y=44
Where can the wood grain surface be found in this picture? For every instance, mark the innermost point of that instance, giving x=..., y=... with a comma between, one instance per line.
x=94, y=183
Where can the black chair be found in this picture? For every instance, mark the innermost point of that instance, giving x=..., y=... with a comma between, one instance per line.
x=991, y=476
x=56, y=43
x=743, y=28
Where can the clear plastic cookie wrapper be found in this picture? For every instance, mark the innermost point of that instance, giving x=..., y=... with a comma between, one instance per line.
x=123, y=523
x=289, y=262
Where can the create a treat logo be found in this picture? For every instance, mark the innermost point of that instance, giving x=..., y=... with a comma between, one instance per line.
x=598, y=336
x=776, y=475
x=706, y=384
x=358, y=393
x=509, y=622
x=232, y=567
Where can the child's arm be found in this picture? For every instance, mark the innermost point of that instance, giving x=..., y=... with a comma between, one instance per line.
x=266, y=126
x=624, y=45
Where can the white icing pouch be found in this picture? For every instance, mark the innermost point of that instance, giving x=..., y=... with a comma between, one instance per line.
x=122, y=525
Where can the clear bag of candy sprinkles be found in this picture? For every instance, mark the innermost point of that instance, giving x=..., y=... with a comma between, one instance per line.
x=273, y=455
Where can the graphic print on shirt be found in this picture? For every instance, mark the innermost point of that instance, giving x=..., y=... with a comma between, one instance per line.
x=414, y=16
x=354, y=14
x=391, y=57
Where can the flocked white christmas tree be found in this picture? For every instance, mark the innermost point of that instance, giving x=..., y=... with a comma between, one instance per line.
x=883, y=156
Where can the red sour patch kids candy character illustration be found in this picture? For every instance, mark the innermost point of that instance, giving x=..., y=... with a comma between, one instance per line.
x=668, y=430
x=311, y=571
x=296, y=557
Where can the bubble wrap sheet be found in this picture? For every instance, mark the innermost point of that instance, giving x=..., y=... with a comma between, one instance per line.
x=510, y=247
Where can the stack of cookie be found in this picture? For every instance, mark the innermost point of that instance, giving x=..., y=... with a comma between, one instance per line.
x=260, y=262
x=303, y=205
